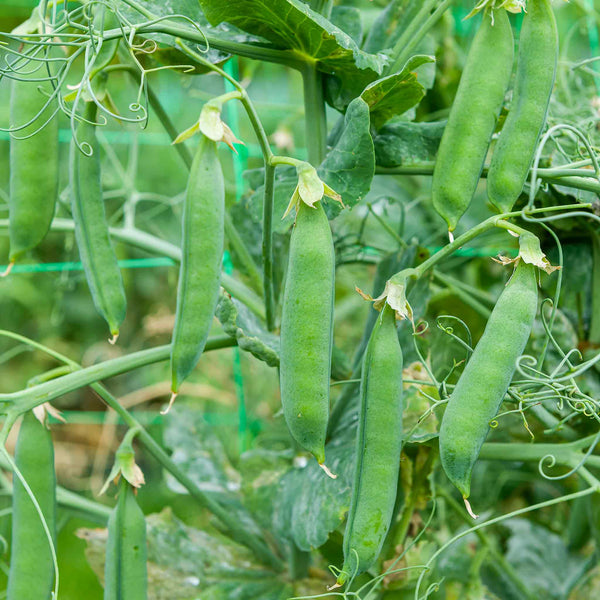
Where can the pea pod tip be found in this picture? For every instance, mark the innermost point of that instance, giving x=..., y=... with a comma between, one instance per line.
x=171, y=400
x=469, y=509
x=8, y=269
x=113, y=340
x=327, y=471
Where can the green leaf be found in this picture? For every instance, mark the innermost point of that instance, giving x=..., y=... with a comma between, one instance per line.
x=395, y=94
x=185, y=562
x=390, y=24
x=401, y=143
x=350, y=165
x=292, y=25
x=242, y=324
x=309, y=504
x=542, y=560
x=347, y=18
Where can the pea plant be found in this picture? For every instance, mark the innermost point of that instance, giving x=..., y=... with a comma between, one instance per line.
x=420, y=283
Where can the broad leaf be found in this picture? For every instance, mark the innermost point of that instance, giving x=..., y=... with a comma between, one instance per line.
x=395, y=94
x=402, y=143
x=350, y=165
x=347, y=18
x=292, y=25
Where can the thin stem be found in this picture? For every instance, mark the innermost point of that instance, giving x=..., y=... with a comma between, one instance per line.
x=267, y=245
x=314, y=114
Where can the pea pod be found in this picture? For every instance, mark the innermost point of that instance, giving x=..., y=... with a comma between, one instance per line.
x=482, y=386
x=594, y=333
x=307, y=329
x=125, y=571
x=33, y=162
x=31, y=575
x=202, y=255
x=91, y=229
x=105, y=19
x=378, y=446
x=473, y=117
x=536, y=72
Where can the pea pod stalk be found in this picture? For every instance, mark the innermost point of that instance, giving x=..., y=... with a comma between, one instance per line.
x=378, y=447
x=477, y=397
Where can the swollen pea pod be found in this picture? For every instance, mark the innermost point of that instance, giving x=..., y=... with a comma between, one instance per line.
x=91, y=229
x=378, y=446
x=33, y=162
x=307, y=330
x=31, y=575
x=536, y=72
x=473, y=117
x=482, y=386
x=125, y=571
x=202, y=255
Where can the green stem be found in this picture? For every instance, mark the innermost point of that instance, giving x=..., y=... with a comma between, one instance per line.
x=267, y=245
x=488, y=224
x=581, y=179
x=594, y=336
x=409, y=32
x=413, y=41
x=145, y=241
x=237, y=245
x=314, y=114
x=29, y=398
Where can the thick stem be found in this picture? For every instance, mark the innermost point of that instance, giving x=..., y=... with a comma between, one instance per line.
x=314, y=114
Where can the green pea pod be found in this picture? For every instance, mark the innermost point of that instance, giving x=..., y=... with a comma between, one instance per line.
x=33, y=162
x=482, y=386
x=125, y=571
x=307, y=330
x=536, y=72
x=473, y=117
x=378, y=446
x=91, y=229
x=202, y=255
x=31, y=575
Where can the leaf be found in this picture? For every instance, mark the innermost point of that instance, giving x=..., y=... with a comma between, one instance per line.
x=350, y=165
x=395, y=94
x=347, y=18
x=401, y=143
x=242, y=324
x=542, y=560
x=390, y=24
x=309, y=505
x=292, y=25
x=185, y=562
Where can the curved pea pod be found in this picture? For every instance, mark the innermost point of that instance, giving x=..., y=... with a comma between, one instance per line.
x=202, y=255
x=536, y=72
x=105, y=19
x=31, y=575
x=378, y=446
x=307, y=330
x=473, y=117
x=484, y=382
x=125, y=571
x=33, y=162
x=91, y=228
